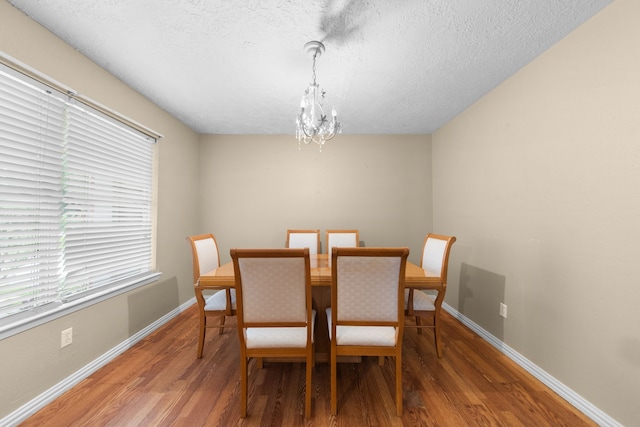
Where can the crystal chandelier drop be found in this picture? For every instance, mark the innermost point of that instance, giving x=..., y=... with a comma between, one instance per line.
x=312, y=122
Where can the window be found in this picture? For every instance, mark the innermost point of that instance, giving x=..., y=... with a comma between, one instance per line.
x=75, y=201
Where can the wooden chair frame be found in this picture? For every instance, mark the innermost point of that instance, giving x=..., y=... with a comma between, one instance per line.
x=367, y=350
x=200, y=296
x=434, y=315
x=307, y=352
x=316, y=232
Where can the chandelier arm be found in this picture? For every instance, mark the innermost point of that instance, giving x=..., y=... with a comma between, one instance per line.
x=304, y=130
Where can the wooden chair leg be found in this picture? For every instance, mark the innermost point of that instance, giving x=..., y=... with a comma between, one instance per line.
x=436, y=333
x=334, y=386
x=222, y=319
x=399, y=384
x=307, y=397
x=203, y=327
x=380, y=360
x=418, y=323
x=243, y=388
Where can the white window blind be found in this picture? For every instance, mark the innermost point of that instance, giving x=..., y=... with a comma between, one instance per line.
x=107, y=200
x=75, y=199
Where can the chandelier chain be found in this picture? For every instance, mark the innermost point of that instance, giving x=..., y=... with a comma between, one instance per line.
x=314, y=67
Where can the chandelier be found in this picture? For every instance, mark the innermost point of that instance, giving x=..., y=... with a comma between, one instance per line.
x=312, y=122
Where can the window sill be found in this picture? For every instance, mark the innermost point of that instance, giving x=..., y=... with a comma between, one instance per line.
x=23, y=321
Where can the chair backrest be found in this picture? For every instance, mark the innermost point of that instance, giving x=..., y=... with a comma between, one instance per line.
x=304, y=239
x=368, y=285
x=273, y=287
x=206, y=257
x=435, y=254
x=342, y=239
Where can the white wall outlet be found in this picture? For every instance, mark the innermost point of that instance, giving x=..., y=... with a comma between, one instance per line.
x=503, y=310
x=66, y=337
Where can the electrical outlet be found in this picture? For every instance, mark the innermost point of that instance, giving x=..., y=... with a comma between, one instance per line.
x=503, y=310
x=66, y=337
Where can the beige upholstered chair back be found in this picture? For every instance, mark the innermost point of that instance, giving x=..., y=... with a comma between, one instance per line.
x=435, y=254
x=342, y=239
x=205, y=255
x=368, y=284
x=368, y=288
x=304, y=239
x=273, y=289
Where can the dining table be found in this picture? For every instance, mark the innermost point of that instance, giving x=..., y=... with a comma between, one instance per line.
x=415, y=277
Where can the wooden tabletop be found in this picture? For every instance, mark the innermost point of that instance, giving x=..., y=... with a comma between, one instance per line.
x=415, y=276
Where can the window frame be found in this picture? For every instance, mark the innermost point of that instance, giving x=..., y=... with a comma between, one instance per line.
x=32, y=317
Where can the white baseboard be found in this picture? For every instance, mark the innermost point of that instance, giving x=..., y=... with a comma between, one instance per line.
x=565, y=392
x=39, y=402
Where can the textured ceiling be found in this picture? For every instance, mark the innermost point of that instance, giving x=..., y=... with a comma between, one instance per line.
x=390, y=67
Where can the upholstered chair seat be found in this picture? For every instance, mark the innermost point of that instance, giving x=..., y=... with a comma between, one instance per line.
x=421, y=300
x=218, y=301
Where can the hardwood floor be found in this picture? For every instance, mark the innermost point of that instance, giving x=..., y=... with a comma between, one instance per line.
x=159, y=382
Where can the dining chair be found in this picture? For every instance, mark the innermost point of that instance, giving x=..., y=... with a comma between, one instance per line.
x=269, y=324
x=304, y=239
x=366, y=316
x=421, y=304
x=212, y=302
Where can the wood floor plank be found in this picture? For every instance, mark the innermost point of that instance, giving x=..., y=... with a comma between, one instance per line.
x=159, y=382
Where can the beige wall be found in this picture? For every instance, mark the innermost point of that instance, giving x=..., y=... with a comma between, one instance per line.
x=540, y=182
x=32, y=362
x=254, y=188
